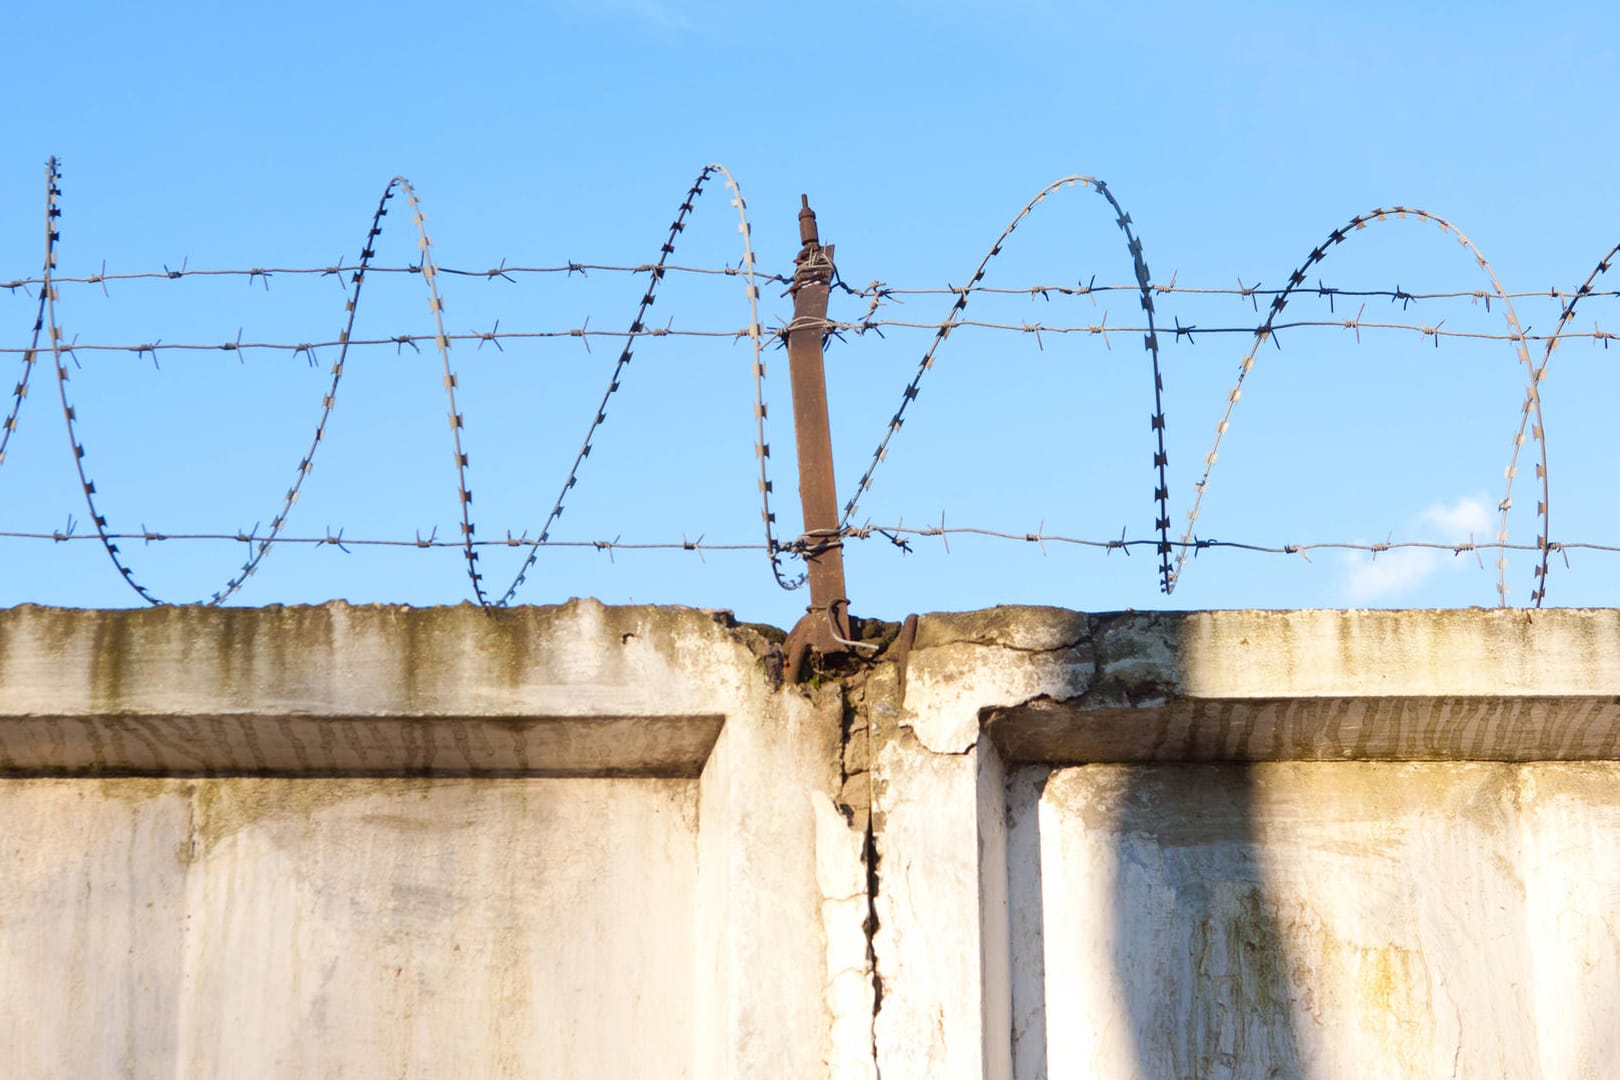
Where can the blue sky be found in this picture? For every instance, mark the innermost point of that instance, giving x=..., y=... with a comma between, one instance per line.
x=1236, y=138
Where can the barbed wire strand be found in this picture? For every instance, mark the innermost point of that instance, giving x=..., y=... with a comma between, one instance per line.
x=1266, y=331
x=875, y=290
x=1534, y=394
x=1196, y=544
x=756, y=337
x=259, y=547
x=1098, y=329
x=614, y=381
x=1150, y=342
x=30, y=354
x=1103, y=330
x=46, y=316
x=53, y=236
x=398, y=340
x=424, y=242
x=638, y=329
x=886, y=533
x=257, y=551
x=1161, y=459
x=1242, y=292
x=502, y=271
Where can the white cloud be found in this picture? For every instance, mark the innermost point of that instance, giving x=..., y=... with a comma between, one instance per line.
x=1388, y=576
x=1469, y=515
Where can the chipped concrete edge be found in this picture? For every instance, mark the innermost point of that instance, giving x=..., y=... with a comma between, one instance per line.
x=964, y=664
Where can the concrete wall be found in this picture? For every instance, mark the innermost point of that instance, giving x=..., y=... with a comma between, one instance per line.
x=341, y=841
x=1366, y=919
x=1251, y=844
x=589, y=841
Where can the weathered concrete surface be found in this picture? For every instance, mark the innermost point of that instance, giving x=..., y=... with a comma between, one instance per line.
x=1317, y=729
x=1369, y=919
x=841, y=874
x=543, y=916
x=577, y=690
x=1059, y=686
x=610, y=841
x=1269, y=654
x=1372, y=918
x=275, y=927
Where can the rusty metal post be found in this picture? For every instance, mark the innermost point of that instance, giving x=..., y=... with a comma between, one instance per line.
x=828, y=617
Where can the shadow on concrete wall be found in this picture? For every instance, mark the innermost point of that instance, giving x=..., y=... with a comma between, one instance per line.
x=1198, y=954
x=1200, y=975
x=1027, y=920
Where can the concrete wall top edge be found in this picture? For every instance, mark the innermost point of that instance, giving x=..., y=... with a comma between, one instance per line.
x=1306, y=653
x=1483, y=652
x=580, y=658
x=584, y=658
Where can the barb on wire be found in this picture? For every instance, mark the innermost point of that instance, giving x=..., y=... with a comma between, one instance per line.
x=1150, y=342
x=1266, y=330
